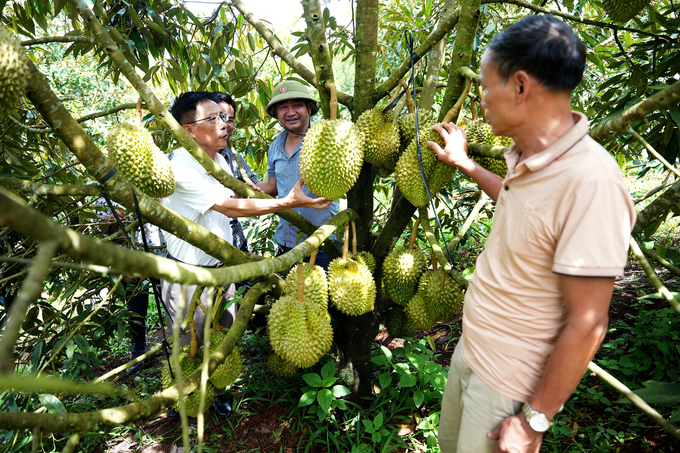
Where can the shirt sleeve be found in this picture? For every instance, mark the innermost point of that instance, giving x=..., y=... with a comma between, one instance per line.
x=271, y=167
x=595, y=234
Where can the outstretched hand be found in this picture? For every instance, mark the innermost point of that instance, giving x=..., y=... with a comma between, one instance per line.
x=514, y=435
x=300, y=199
x=252, y=186
x=454, y=152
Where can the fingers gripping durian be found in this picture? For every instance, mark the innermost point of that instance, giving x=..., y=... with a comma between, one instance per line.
x=381, y=136
x=350, y=284
x=407, y=125
x=478, y=131
x=13, y=71
x=331, y=156
x=299, y=332
x=402, y=269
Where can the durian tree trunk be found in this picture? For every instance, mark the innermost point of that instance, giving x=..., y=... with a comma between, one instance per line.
x=462, y=53
x=319, y=51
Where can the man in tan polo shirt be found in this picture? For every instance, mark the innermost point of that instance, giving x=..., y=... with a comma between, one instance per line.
x=537, y=306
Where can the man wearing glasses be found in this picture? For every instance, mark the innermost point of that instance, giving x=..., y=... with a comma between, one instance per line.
x=202, y=199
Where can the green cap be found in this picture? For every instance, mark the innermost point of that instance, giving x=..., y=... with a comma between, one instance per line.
x=290, y=89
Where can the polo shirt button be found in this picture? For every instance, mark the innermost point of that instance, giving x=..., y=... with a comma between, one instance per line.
x=507, y=188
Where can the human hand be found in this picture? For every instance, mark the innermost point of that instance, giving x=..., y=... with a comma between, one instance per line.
x=514, y=435
x=252, y=186
x=454, y=152
x=300, y=199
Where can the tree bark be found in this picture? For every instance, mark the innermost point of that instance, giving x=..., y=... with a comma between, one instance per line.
x=435, y=58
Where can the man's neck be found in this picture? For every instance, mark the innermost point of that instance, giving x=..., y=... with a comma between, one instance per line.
x=293, y=139
x=212, y=154
x=543, y=129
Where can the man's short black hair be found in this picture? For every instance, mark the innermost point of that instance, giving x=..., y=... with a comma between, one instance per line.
x=184, y=108
x=221, y=96
x=543, y=46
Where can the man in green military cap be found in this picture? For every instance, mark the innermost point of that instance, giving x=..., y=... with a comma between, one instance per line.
x=293, y=106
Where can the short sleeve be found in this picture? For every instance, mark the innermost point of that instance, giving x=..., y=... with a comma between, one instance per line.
x=595, y=232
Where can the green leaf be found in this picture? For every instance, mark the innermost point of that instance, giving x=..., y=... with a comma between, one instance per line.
x=307, y=398
x=329, y=381
x=407, y=380
x=676, y=416
x=325, y=398
x=658, y=393
x=340, y=390
x=82, y=343
x=313, y=379
x=328, y=370
x=418, y=398
x=385, y=379
x=368, y=425
x=52, y=403
x=378, y=420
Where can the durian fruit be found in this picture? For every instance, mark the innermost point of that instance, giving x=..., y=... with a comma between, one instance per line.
x=367, y=259
x=441, y=293
x=479, y=132
x=232, y=367
x=316, y=284
x=407, y=125
x=381, y=135
x=188, y=365
x=419, y=313
x=623, y=11
x=407, y=171
x=502, y=140
x=402, y=269
x=13, y=71
x=332, y=155
x=280, y=367
x=497, y=166
x=350, y=284
x=398, y=325
x=300, y=332
x=160, y=182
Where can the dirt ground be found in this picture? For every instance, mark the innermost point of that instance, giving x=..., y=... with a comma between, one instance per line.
x=265, y=427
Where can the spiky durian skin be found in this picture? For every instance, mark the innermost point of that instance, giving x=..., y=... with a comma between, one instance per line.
x=316, y=284
x=407, y=171
x=479, y=132
x=231, y=368
x=161, y=181
x=300, y=333
x=398, y=325
x=381, y=136
x=280, y=367
x=502, y=140
x=418, y=312
x=443, y=301
x=497, y=166
x=188, y=366
x=13, y=71
x=331, y=158
x=351, y=287
x=368, y=260
x=407, y=125
x=131, y=150
x=402, y=269
x=623, y=11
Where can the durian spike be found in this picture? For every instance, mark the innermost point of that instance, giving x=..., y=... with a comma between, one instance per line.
x=441, y=289
x=453, y=113
x=354, y=239
x=345, y=246
x=410, y=105
x=138, y=113
x=414, y=234
x=312, y=258
x=434, y=262
x=301, y=283
x=480, y=92
x=194, y=339
x=334, y=100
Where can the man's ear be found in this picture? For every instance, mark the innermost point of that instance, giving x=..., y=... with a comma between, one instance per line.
x=189, y=129
x=522, y=83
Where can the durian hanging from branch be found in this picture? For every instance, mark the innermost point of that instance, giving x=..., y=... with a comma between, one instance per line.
x=332, y=154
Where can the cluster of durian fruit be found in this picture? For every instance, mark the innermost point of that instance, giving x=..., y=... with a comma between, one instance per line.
x=223, y=376
x=135, y=154
x=13, y=71
x=334, y=151
x=424, y=295
x=299, y=326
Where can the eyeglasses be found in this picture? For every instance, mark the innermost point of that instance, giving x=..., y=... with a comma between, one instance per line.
x=213, y=119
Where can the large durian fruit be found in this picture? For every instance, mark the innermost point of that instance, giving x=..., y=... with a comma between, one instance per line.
x=478, y=131
x=381, y=136
x=441, y=293
x=623, y=10
x=232, y=367
x=367, y=259
x=280, y=367
x=316, y=284
x=13, y=71
x=402, y=269
x=407, y=172
x=299, y=331
x=350, y=284
x=134, y=153
x=407, y=125
x=188, y=365
x=332, y=155
x=398, y=325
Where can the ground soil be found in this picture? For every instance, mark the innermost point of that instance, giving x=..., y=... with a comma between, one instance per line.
x=262, y=427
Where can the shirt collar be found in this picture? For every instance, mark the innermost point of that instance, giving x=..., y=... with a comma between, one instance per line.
x=551, y=153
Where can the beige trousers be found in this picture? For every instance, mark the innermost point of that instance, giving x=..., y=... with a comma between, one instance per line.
x=470, y=409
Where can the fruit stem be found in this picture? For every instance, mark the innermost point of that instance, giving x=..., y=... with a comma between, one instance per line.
x=453, y=113
x=480, y=93
x=312, y=258
x=354, y=239
x=475, y=116
x=434, y=262
x=301, y=283
x=410, y=105
x=414, y=234
x=334, y=100
x=138, y=113
x=216, y=309
x=194, y=339
x=345, y=246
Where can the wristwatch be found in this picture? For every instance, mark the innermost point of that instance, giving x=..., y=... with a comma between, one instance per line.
x=538, y=421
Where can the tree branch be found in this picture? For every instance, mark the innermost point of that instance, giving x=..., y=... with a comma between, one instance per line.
x=437, y=250
x=483, y=200
x=657, y=208
x=319, y=51
x=66, y=38
x=21, y=185
x=649, y=270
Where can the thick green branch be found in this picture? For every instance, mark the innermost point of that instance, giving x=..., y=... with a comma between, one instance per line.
x=657, y=208
x=649, y=270
x=319, y=51
x=48, y=39
x=366, y=48
x=665, y=263
x=35, y=188
x=437, y=250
